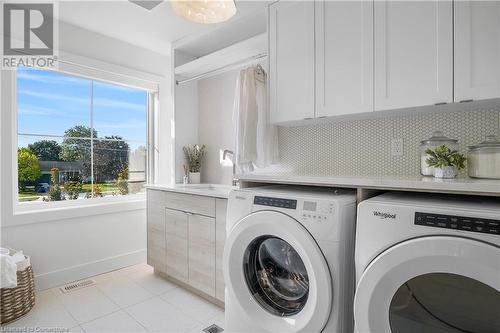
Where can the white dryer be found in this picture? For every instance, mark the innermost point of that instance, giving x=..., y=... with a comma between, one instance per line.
x=288, y=260
x=427, y=263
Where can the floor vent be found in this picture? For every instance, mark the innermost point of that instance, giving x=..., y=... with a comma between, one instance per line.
x=213, y=329
x=76, y=286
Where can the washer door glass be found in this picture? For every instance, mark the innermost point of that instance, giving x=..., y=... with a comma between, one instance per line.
x=443, y=302
x=276, y=276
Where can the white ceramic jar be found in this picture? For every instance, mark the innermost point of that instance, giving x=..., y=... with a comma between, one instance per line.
x=483, y=160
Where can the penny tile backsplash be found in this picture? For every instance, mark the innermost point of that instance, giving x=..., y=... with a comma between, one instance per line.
x=363, y=147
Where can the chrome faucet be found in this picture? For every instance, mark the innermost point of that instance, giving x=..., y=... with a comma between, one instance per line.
x=235, y=181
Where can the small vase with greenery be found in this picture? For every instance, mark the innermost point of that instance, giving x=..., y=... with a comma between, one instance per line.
x=194, y=155
x=445, y=161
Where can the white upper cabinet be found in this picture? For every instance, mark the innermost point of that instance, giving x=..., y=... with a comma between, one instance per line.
x=291, y=57
x=413, y=53
x=344, y=57
x=477, y=50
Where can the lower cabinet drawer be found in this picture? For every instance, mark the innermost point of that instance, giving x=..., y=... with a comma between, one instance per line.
x=196, y=204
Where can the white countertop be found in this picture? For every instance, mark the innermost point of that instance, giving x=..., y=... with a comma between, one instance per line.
x=420, y=184
x=208, y=190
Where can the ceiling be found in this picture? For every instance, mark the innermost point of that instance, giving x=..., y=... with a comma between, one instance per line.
x=152, y=29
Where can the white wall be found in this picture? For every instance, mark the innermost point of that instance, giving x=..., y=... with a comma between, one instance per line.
x=100, y=47
x=68, y=249
x=215, y=106
x=186, y=123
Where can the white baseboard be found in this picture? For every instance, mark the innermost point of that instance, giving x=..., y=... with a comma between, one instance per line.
x=78, y=272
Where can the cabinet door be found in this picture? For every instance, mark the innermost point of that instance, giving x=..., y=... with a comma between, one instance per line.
x=413, y=53
x=156, y=230
x=291, y=60
x=220, y=240
x=477, y=50
x=176, y=223
x=202, y=253
x=344, y=57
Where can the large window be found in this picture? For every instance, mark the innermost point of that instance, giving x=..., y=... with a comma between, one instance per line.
x=79, y=138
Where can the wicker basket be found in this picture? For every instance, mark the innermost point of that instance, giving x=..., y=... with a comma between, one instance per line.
x=18, y=301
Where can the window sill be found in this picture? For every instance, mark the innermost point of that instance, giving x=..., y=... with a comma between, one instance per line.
x=27, y=213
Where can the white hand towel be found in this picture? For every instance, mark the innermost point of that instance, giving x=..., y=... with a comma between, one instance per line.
x=255, y=139
x=8, y=271
x=245, y=118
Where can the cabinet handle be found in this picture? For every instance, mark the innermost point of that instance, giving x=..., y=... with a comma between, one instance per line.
x=440, y=103
x=466, y=100
x=321, y=117
x=308, y=118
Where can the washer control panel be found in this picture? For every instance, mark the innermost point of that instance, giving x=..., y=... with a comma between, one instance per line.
x=305, y=210
x=458, y=222
x=275, y=202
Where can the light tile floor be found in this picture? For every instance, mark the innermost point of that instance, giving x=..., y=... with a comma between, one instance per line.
x=132, y=299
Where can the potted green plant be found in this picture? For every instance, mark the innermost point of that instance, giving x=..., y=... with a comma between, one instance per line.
x=194, y=155
x=445, y=161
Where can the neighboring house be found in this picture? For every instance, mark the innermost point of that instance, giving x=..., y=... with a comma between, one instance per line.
x=67, y=170
x=137, y=165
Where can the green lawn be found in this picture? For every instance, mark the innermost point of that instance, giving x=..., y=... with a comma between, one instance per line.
x=105, y=187
x=31, y=195
x=28, y=195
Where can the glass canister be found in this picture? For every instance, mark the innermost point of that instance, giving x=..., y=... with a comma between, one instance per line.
x=437, y=139
x=483, y=160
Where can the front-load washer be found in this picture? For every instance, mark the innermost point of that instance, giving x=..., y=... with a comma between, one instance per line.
x=427, y=263
x=288, y=260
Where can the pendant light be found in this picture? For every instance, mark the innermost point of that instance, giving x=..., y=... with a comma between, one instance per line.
x=204, y=11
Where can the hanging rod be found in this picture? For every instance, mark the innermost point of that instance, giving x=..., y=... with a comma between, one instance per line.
x=223, y=69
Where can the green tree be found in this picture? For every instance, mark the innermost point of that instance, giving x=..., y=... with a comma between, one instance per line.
x=73, y=187
x=75, y=149
x=28, y=167
x=46, y=150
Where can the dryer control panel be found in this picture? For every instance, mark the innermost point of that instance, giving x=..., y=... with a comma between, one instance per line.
x=487, y=226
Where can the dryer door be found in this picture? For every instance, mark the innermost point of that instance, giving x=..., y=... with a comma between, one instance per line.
x=276, y=276
x=431, y=284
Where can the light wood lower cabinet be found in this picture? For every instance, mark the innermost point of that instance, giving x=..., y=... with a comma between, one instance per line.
x=186, y=235
x=220, y=240
x=156, y=230
x=201, y=259
x=177, y=244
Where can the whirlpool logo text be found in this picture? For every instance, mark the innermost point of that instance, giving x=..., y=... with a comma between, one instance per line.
x=384, y=215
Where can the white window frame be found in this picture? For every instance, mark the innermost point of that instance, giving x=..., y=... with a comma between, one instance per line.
x=25, y=213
